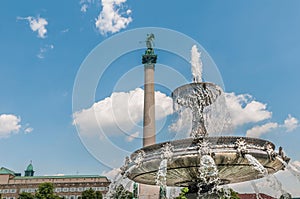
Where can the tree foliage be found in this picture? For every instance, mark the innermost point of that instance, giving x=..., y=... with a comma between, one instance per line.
x=88, y=194
x=285, y=196
x=184, y=191
x=25, y=195
x=122, y=193
x=46, y=191
x=99, y=195
x=221, y=194
x=228, y=194
x=91, y=194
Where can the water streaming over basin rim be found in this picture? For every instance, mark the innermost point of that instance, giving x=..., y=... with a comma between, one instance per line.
x=182, y=167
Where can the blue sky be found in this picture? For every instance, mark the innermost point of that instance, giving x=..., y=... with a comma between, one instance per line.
x=255, y=45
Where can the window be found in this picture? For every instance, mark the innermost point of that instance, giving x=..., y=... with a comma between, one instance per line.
x=5, y=190
x=65, y=189
x=80, y=189
x=73, y=189
x=72, y=197
x=58, y=190
x=12, y=191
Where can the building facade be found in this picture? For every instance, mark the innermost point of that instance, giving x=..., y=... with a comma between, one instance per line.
x=67, y=186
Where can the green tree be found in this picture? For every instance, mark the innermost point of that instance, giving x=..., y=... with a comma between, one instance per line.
x=25, y=195
x=99, y=195
x=46, y=191
x=122, y=193
x=184, y=191
x=88, y=194
x=285, y=196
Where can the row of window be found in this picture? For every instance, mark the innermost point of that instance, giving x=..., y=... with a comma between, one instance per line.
x=57, y=190
x=65, y=197
x=78, y=196
x=8, y=191
x=79, y=189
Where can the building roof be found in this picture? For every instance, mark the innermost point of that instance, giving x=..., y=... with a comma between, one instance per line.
x=59, y=177
x=6, y=171
x=29, y=167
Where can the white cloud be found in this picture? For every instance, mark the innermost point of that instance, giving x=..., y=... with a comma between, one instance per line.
x=131, y=137
x=290, y=123
x=111, y=19
x=296, y=163
x=84, y=8
x=57, y=174
x=44, y=50
x=257, y=131
x=183, y=124
x=28, y=130
x=85, y=5
x=9, y=124
x=65, y=30
x=119, y=113
x=243, y=109
x=37, y=25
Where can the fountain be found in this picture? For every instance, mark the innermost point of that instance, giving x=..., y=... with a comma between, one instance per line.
x=201, y=162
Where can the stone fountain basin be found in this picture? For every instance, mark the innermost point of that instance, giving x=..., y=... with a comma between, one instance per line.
x=182, y=169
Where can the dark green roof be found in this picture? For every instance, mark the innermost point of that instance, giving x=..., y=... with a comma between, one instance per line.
x=6, y=171
x=58, y=177
x=29, y=167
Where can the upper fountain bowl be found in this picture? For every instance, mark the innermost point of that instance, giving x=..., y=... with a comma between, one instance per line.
x=195, y=94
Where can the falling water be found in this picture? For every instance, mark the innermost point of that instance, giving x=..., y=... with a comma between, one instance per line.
x=206, y=103
x=119, y=180
x=196, y=64
x=271, y=179
x=124, y=171
x=256, y=164
x=226, y=191
x=256, y=190
x=208, y=175
x=161, y=179
x=216, y=116
x=291, y=168
x=114, y=184
x=207, y=171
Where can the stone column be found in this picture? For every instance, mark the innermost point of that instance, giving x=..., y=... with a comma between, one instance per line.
x=149, y=60
x=149, y=106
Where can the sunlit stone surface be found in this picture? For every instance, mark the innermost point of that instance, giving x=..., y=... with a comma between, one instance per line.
x=182, y=169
